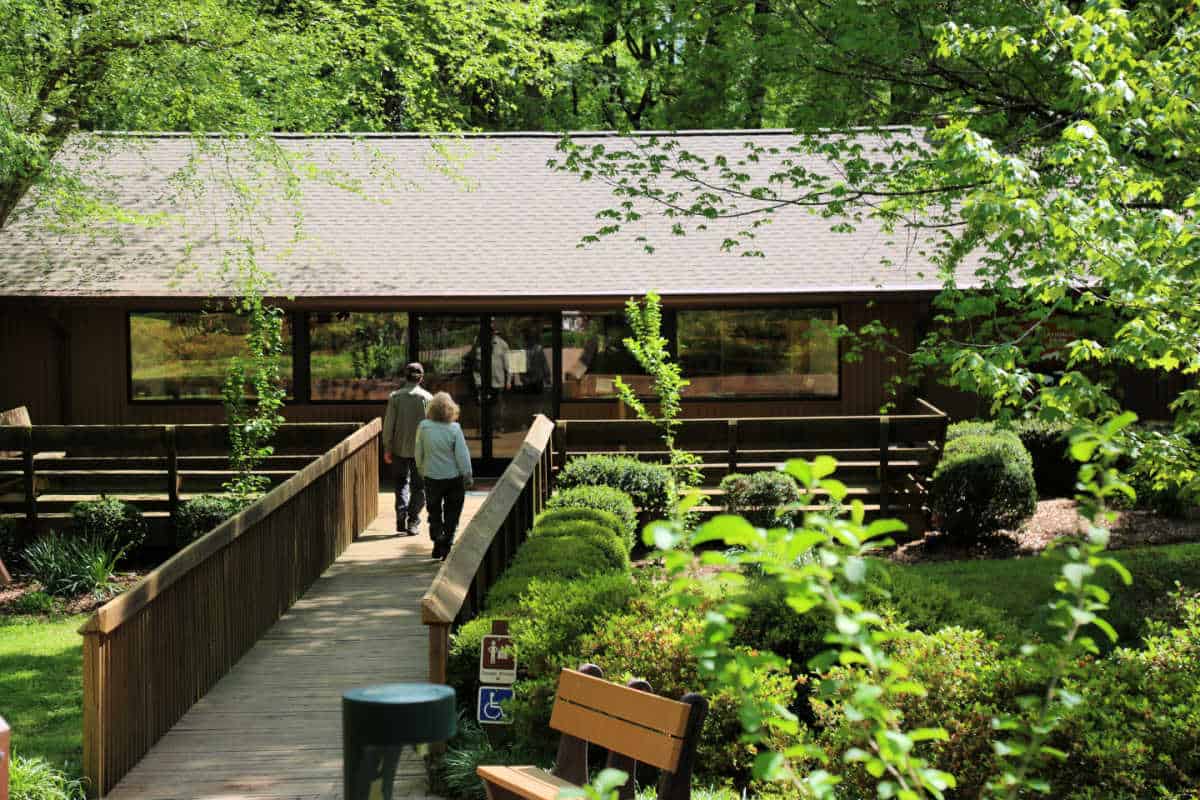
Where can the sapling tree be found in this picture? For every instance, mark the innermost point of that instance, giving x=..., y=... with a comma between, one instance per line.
x=650, y=349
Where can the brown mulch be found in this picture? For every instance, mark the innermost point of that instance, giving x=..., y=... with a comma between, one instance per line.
x=1051, y=520
x=81, y=604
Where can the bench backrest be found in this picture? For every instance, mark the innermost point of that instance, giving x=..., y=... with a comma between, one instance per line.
x=644, y=726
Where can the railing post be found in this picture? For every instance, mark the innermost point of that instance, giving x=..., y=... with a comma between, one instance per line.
x=30, y=494
x=733, y=446
x=884, y=444
x=439, y=650
x=172, y=480
x=95, y=737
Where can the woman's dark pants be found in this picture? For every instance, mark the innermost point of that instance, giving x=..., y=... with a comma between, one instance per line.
x=444, y=503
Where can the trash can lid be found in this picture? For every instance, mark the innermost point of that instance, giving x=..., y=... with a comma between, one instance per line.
x=400, y=713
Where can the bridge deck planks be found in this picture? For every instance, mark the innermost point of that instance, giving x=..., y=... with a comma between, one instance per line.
x=271, y=728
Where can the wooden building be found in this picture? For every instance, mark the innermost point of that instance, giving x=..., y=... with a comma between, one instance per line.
x=462, y=253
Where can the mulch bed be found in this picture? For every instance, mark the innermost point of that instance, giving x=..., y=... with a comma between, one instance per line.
x=1052, y=519
x=82, y=604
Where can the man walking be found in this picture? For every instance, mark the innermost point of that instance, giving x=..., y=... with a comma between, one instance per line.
x=405, y=410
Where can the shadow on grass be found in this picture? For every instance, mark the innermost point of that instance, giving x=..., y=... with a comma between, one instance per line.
x=41, y=687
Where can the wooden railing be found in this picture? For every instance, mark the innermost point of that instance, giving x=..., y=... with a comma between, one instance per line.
x=45, y=469
x=151, y=653
x=884, y=459
x=488, y=543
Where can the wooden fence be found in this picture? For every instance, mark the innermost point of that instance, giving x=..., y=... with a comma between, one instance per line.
x=488, y=543
x=45, y=469
x=151, y=653
x=885, y=459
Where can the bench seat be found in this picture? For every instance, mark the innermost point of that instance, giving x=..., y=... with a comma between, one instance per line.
x=529, y=782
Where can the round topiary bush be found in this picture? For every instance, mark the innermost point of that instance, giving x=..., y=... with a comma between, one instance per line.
x=983, y=484
x=200, y=515
x=564, y=516
x=970, y=427
x=646, y=483
x=604, y=498
x=1049, y=445
x=601, y=535
x=759, y=496
x=111, y=521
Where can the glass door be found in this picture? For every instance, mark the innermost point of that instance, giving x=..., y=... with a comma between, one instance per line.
x=447, y=346
x=522, y=379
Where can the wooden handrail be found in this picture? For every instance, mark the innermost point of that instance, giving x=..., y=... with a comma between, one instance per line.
x=151, y=653
x=124, y=607
x=489, y=541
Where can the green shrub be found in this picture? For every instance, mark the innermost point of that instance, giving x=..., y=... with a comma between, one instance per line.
x=111, y=521
x=1136, y=733
x=983, y=484
x=1048, y=444
x=970, y=682
x=36, y=779
x=69, y=566
x=37, y=602
x=658, y=642
x=551, y=557
x=603, y=498
x=970, y=427
x=556, y=517
x=647, y=484
x=759, y=496
x=200, y=515
x=602, y=535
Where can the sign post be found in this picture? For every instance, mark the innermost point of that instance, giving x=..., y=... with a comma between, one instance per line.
x=497, y=665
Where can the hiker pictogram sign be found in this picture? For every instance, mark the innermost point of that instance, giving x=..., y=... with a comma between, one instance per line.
x=497, y=657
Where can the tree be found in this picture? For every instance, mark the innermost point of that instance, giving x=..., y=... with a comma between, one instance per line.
x=1057, y=176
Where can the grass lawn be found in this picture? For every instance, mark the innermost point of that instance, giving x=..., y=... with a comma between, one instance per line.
x=41, y=687
x=1000, y=593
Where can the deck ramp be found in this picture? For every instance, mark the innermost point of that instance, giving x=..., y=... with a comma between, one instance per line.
x=271, y=728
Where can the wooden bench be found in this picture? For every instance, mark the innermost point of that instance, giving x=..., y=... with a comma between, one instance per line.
x=632, y=723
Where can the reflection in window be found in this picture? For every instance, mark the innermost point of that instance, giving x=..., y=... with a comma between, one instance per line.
x=183, y=355
x=357, y=355
x=594, y=354
x=778, y=352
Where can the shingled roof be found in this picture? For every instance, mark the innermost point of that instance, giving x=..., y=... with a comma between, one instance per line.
x=425, y=217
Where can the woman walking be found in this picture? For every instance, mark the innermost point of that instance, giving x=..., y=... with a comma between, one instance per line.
x=440, y=452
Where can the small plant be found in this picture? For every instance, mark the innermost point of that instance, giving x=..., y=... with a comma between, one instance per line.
x=648, y=485
x=761, y=496
x=109, y=520
x=36, y=602
x=603, y=498
x=69, y=566
x=200, y=515
x=983, y=484
x=253, y=393
x=36, y=779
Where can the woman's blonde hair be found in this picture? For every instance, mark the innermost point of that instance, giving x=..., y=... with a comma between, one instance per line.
x=442, y=408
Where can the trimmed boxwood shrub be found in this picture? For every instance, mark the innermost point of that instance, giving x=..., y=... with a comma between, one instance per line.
x=200, y=515
x=601, y=535
x=111, y=521
x=970, y=427
x=1048, y=444
x=595, y=516
x=646, y=483
x=551, y=557
x=759, y=496
x=603, y=498
x=983, y=484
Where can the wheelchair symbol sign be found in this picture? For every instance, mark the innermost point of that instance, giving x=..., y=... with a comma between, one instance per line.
x=490, y=709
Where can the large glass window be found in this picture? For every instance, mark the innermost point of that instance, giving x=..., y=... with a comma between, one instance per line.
x=183, y=355
x=777, y=352
x=356, y=355
x=594, y=354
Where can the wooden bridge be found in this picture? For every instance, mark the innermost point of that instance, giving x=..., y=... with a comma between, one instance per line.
x=220, y=674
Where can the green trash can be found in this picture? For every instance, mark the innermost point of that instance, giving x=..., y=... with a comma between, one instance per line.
x=378, y=722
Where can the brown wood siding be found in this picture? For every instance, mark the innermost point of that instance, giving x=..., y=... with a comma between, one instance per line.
x=30, y=364
x=98, y=358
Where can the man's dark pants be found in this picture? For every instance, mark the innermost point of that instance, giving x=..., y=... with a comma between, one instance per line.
x=446, y=497
x=410, y=494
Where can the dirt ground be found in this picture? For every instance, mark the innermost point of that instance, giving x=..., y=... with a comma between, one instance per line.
x=82, y=604
x=1052, y=519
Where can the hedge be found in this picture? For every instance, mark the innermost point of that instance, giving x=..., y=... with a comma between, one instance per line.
x=647, y=484
x=983, y=484
x=602, y=498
